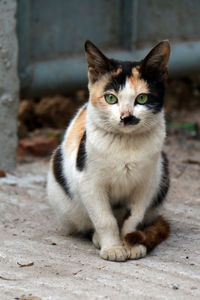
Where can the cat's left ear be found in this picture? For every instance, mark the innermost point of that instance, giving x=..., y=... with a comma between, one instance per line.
x=155, y=64
x=98, y=63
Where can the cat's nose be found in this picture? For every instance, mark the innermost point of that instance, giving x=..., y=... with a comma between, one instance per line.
x=129, y=119
x=126, y=119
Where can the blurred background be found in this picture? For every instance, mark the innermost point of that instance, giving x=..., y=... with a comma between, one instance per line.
x=44, y=75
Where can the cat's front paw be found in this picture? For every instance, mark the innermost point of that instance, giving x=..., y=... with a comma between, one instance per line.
x=115, y=253
x=137, y=251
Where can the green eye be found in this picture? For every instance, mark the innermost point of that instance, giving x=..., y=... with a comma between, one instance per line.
x=142, y=98
x=111, y=99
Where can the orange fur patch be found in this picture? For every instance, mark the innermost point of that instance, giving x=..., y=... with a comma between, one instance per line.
x=76, y=132
x=151, y=236
x=139, y=85
x=119, y=70
x=97, y=91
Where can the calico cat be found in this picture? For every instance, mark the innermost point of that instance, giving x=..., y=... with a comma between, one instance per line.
x=109, y=174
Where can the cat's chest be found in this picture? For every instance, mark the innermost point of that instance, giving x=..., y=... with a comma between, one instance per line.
x=121, y=166
x=127, y=163
x=123, y=163
x=124, y=172
x=122, y=179
x=124, y=168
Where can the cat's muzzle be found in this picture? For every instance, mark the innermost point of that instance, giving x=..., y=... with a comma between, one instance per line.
x=130, y=120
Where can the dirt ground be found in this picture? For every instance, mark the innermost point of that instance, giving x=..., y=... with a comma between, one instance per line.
x=37, y=260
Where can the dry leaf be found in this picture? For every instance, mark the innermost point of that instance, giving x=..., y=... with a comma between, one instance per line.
x=76, y=272
x=28, y=298
x=101, y=267
x=25, y=265
x=4, y=278
x=2, y=173
x=192, y=161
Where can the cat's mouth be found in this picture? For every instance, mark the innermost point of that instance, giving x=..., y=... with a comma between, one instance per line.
x=130, y=120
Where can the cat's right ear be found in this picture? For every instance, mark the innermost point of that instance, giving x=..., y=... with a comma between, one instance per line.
x=98, y=63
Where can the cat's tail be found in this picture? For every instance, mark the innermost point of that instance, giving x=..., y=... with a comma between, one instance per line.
x=151, y=235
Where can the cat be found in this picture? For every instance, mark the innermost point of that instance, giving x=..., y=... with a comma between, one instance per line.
x=109, y=174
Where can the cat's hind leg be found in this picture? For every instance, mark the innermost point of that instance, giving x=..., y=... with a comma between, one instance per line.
x=70, y=214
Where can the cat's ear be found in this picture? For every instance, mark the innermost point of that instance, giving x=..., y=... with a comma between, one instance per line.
x=98, y=63
x=155, y=64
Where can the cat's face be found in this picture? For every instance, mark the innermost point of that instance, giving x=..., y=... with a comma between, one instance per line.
x=127, y=96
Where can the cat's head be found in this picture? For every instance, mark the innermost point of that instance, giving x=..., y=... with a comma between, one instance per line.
x=127, y=96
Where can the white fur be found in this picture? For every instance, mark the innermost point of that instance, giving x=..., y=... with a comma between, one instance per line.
x=123, y=165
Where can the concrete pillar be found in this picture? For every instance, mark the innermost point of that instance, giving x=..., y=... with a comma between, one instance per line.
x=9, y=84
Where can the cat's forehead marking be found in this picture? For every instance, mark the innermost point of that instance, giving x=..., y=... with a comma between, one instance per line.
x=117, y=72
x=117, y=81
x=120, y=76
x=135, y=72
x=138, y=84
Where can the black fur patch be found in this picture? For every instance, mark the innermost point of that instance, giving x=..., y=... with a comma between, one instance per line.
x=58, y=171
x=164, y=183
x=156, y=96
x=140, y=226
x=117, y=206
x=81, y=157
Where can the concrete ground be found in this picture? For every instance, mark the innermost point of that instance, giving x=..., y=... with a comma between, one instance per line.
x=36, y=260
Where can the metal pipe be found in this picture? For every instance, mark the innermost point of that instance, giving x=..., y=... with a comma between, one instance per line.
x=65, y=75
